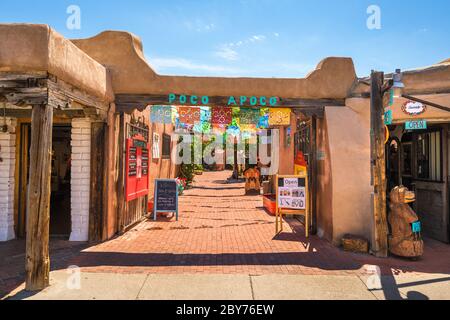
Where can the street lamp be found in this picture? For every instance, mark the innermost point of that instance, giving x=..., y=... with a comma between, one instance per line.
x=398, y=86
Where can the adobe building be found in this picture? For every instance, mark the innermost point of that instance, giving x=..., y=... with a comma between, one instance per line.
x=92, y=89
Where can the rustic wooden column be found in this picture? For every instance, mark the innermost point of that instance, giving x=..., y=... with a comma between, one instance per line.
x=97, y=209
x=38, y=199
x=378, y=164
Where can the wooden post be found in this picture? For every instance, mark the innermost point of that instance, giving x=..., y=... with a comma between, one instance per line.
x=121, y=203
x=38, y=199
x=378, y=163
x=97, y=210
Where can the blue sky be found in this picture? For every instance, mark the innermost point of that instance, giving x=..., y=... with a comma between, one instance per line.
x=258, y=38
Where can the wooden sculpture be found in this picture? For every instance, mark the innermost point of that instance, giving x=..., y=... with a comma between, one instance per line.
x=252, y=181
x=403, y=241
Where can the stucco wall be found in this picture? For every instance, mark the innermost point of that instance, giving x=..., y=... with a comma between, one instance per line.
x=349, y=143
x=38, y=48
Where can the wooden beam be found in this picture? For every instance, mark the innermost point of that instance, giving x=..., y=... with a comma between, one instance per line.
x=97, y=206
x=63, y=94
x=378, y=164
x=127, y=103
x=24, y=90
x=23, y=113
x=38, y=199
x=428, y=103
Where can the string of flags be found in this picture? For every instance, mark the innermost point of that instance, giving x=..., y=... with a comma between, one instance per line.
x=232, y=120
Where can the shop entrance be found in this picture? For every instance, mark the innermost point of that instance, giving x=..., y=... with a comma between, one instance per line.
x=60, y=202
x=419, y=161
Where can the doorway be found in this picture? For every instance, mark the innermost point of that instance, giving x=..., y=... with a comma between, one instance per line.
x=60, y=201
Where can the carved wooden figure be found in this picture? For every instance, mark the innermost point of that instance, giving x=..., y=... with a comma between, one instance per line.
x=252, y=181
x=403, y=241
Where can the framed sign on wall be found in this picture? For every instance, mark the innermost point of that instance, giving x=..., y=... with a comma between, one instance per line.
x=155, y=146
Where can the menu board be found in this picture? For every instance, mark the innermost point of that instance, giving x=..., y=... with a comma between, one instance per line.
x=292, y=193
x=137, y=169
x=166, y=196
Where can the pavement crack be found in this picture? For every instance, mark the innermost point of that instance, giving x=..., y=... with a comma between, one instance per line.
x=142, y=287
x=251, y=286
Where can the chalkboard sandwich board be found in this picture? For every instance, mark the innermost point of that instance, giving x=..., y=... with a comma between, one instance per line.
x=166, y=197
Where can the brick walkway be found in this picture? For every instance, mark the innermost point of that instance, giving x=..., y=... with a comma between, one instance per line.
x=220, y=231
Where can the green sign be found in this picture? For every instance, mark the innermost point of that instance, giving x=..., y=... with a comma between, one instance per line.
x=391, y=97
x=416, y=125
x=388, y=117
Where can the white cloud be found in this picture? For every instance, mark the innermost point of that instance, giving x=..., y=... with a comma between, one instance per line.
x=199, y=26
x=162, y=65
x=227, y=53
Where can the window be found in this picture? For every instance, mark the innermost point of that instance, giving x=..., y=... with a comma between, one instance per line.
x=167, y=141
x=429, y=163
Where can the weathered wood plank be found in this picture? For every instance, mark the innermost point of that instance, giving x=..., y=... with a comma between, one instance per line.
x=38, y=199
x=379, y=165
x=25, y=113
x=97, y=205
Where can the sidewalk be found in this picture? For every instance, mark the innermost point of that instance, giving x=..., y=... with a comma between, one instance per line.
x=105, y=286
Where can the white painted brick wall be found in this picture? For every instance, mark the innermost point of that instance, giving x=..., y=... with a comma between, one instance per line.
x=7, y=170
x=80, y=184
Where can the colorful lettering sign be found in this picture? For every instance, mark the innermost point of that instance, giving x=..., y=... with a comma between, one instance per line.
x=232, y=101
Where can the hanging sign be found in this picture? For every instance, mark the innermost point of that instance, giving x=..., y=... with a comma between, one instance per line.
x=413, y=108
x=416, y=125
x=388, y=117
x=166, y=197
x=137, y=168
